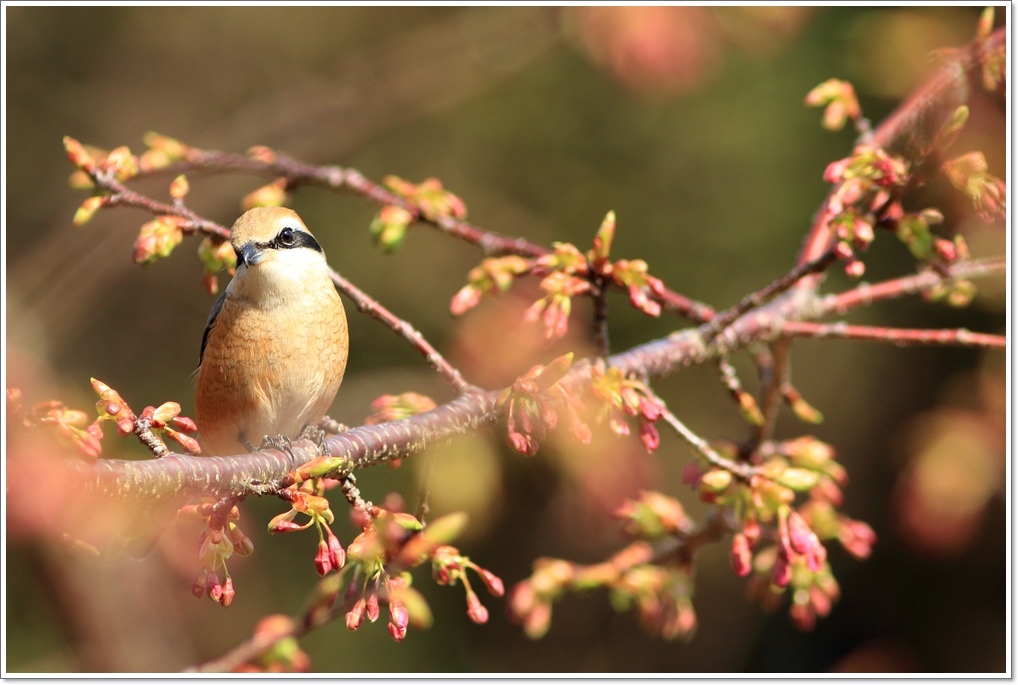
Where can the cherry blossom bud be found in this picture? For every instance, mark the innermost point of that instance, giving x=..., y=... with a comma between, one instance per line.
x=491, y=581
x=213, y=587
x=355, y=616
x=323, y=563
x=649, y=436
x=741, y=557
x=857, y=538
x=87, y=210
x=715, y=480
x=855, y=268
x=337, y=555
x=781, y=572
x=371, y=608
x=226, y=598
x=396, y=633
x=801, y=537
x=477, y=612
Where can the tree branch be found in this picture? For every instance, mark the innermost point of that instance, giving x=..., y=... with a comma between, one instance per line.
x=896, y=336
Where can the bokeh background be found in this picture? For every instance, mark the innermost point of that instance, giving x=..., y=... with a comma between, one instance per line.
x=689, y=123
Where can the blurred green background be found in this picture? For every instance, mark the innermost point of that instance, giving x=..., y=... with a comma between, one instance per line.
x=689, y=123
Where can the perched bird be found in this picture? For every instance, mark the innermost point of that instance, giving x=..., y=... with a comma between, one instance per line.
x=275, y=346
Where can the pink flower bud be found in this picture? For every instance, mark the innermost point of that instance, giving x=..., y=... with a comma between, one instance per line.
x=323, y=563
x=372, y=609
x=857, y=538
x=781, y=571
x=741, y=557
x=184, y=424
x=477, y=612
x=125, y=426
x=355, y=616
x=397, y=633
x=491, y=581
x=467, y=298
x=751, y=530
x=522, y=600
x=213, y=587
x=801, y=537
x=649, y=435
x=337, y=555
x=855, y=268
x=803, y=616
x=226, y=598
x=398, y=615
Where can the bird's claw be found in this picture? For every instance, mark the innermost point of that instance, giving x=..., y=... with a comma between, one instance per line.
x=279, y=442
x=317, y=436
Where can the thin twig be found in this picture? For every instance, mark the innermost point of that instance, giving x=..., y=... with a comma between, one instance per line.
x=776, y=287
x=867, y=294
x=771, y=393
x=743, y=471
x=900, y=337
x=375, y=310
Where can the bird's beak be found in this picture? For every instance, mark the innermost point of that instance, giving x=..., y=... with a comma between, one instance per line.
x=250, y=255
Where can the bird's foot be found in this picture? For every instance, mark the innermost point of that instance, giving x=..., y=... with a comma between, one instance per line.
x=317, y=436
x=279, y=442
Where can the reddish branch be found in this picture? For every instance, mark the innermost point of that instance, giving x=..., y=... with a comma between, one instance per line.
x=866, y=294
x=898, y=336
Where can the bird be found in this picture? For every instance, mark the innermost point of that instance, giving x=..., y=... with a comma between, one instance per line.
x=276, y=342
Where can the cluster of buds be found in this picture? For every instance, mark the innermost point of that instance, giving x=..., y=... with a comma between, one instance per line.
x=662, y=594
x=780, y=544
x=448, y=567
x=660, y=591
x=271, y=194
x=162, y=151
x=994, y=60
x=150, y=424
x=305, y=498
x=70, y=424
x=220, y=539
x=565, y=273
x=395, y=407
x=621, y=397
x=813, y=592
x=158, y=238
x=89, y=160
x=531, y=406
x=839, y=101
x=866, y=183
x=283, y=653
x=215, y=255
x=554, y=308
x=530, y=600
x=969, y=174
x=428, y=199
x=568, y=272
x=652, y=516
x=492, y=276
x=390, y=543
x=913, y=229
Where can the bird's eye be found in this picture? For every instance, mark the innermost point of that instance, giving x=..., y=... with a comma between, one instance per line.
x=287, y=238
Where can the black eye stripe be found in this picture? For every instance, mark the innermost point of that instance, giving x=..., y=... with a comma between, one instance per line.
x=290, y=238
